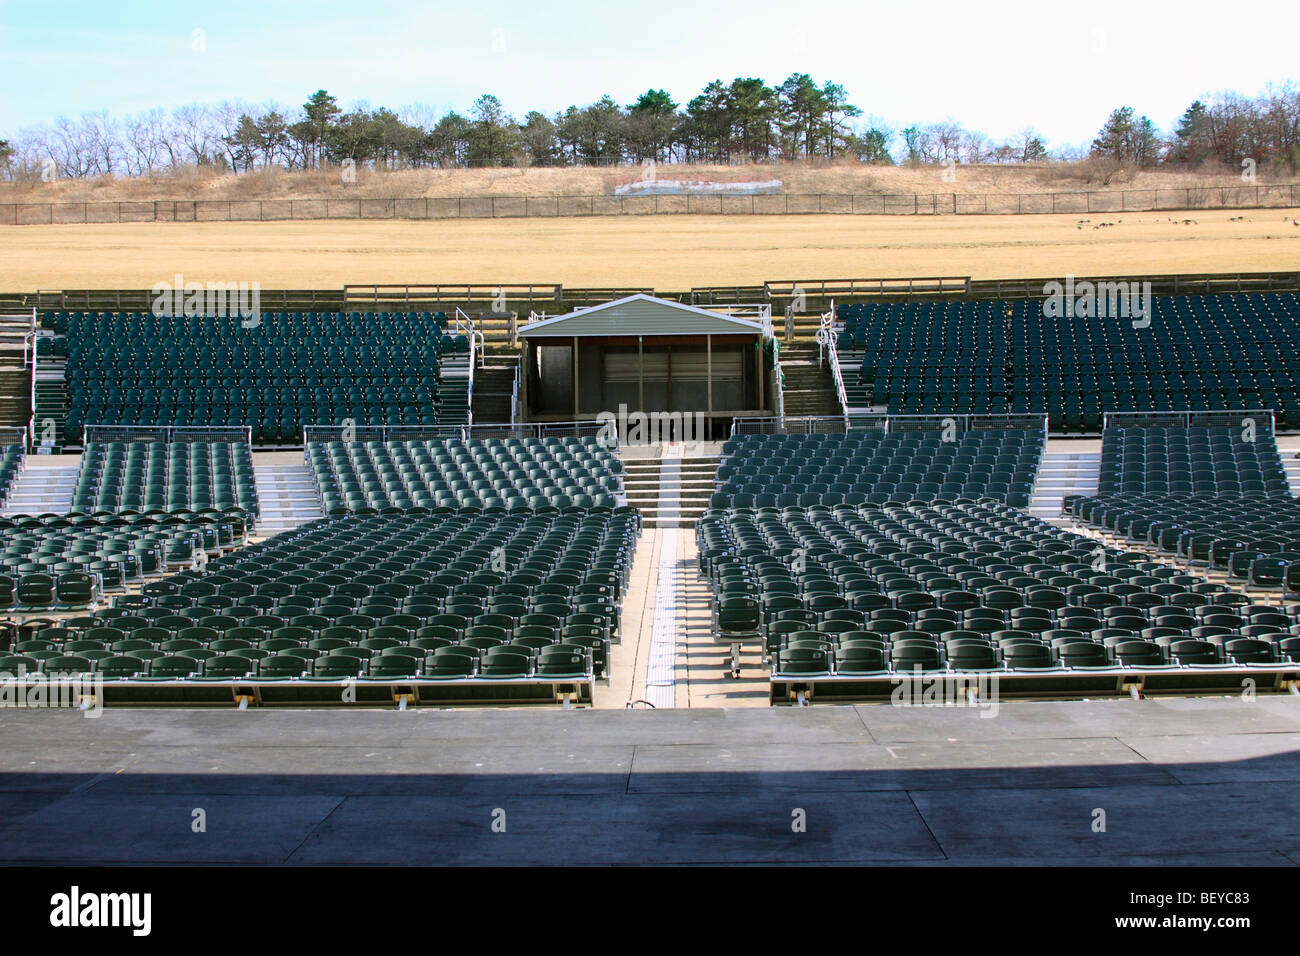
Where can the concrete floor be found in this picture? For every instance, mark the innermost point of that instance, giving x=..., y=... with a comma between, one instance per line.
x=1181, y=781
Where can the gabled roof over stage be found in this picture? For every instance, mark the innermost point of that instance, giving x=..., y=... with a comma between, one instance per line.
x=640, y=315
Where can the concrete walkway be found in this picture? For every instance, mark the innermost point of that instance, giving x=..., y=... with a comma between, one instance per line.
x=1182, y=782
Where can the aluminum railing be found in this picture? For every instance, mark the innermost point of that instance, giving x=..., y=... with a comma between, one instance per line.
x=883, y=422
x=591, y=428
x=1260, y=419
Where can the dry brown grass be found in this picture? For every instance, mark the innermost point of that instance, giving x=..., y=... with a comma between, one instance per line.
x=839, y=177
x=666, y=252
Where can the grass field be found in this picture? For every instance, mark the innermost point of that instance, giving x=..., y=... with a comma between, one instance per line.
x=665, y=252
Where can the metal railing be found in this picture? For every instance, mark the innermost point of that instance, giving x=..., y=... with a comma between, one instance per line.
x=1262, y=420
x=464, y=324
x=31, y=419
x=749, y=311
x=591, y=428
x=514, y=393
x=778, y=381
x=884, y=422
x=828, y=346
x=384, y=433
x=1245, y=196
x=167, y=433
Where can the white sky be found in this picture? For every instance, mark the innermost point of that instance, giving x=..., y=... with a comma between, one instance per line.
x=995, y=66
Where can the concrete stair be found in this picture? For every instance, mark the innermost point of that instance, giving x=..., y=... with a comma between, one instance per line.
x=453, y=391
x=15, y=377
x=670, y=492
x=494, y=383
x=286, y=495
x=44, y=486
x=1072, y=467
x=1288, y=446
x=809, y=388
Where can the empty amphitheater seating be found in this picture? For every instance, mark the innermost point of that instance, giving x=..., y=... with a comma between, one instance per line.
x=142, y=475
x=68, y=561
x=1202, y=529
x=942, y=587
x=928, y=357
x=277, y=374
x=474, y=474
x=446, y=597
x=1217, y=352
x=1208, y=352
x=1211, y=461
x=784, y=470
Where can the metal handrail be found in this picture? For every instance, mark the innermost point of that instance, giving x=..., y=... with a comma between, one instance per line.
x=885, y=422
x=778, y=380
x=31, y=420
x=1189, y=419
x=167, y=433
x=827, y=343
x=514, y=394
x=572, y=429
x=465, y=325
x=469, y=386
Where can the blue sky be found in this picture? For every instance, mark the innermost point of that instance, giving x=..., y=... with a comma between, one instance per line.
x=994, y=66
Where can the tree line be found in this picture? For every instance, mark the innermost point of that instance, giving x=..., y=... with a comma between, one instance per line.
x=1235, y=130
x=744, y=121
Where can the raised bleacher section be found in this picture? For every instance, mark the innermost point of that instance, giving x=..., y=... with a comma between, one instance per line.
x=928, y=357
x=511, y=473
x=493, y=608
x=1217, y=460
x=780, y=471
x=1211, y=495
x=148, y=475
x=846, y=599
x=1205, y=352
x=276, y=373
